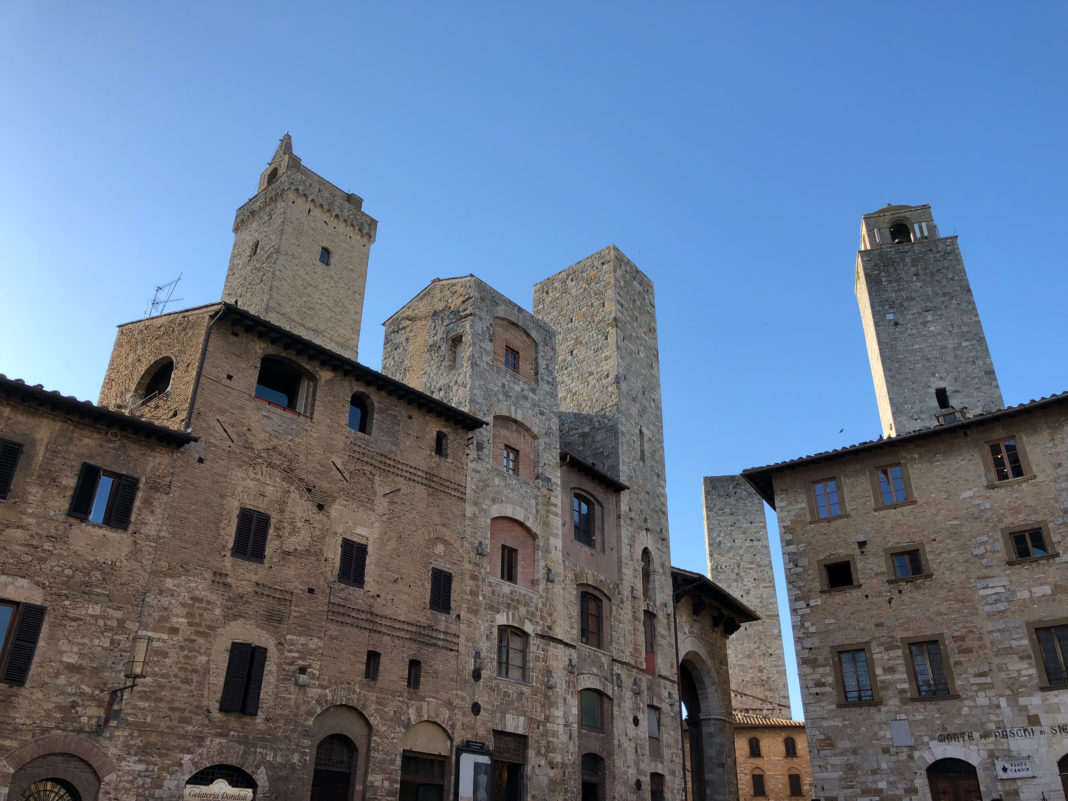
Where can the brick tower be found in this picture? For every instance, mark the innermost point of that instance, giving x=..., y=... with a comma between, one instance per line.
x=300, y=254
x=929, y=357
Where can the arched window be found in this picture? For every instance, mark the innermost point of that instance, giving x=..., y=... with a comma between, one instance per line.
x=790, y=744
x=360, y=413
x=647, y=575
x=953, y=778
x=1062, y=768
x=758, y=784
x=754, y=747
x=50, y=790
x=157, y=379
x=335, y=767
x=441, y=444
x=512, y=653
x=649, y=624
x=582, y=513
x=283, y=384
x=900, y=233
x=591, y=619
x=794, y=778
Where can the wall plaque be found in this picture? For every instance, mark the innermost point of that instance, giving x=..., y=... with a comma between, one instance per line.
x=1019, y=768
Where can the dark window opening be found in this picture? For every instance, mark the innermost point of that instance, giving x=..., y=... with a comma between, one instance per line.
x=415, y=673
x=649, y=625
x=335, y=768
x=641, y=444
x=907, y=563
x=754, y=747
x=509, y=564
x=839, y=574
x=360, y=413
x=790, y=746
x=10, y=453
x=271, y=176
x=353, y=565
x=160, y=381
x=233, y=776
x=1006, y=459
x=20, y=629
x=324, y=256
x=590, y=614
x=50, y=790
x=103, y=497
x=647, y=575
x=795, y=783
x=456, y=355
x=943, y=398
x=511, y=654
x=582, y=516
x=250, y=538
x=440, y=590
x=244, y=679
x=758, y=785
x=281, y=383
x=422, y=777
x=370, y=667
x=441, y=444
x=1029, y=544
x=511, y=359
x=593, y=777
x=591, y=705
x=656, y=787
x=900, y=233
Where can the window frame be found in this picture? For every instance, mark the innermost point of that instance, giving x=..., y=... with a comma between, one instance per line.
x=873, y=684
x=825, y=582
x=418, y=781
x=789, y=747
x=18, y=646
x=580, y=499
x=119, y=504
x=754, y=748
x=813, y=503
x=1033, y=628
x=653, y=717
x=649, y=641
x=509, y=564
x=510, y=460
x=304, y=399
x=10, y=454
x=917, y=694
x=362, y=401
x=760, y=787
x=511, y=359
x=1008, y=533
x=415, y=674
x=600, y=727
x=791, y=776
x=372, y=665
x=324, y=255
x=586, y=597
x=992, y=478
x=507, y=633
x=440, y=591
x=356, y=574
x=243, y=679
x=906, y=483
x=906, y=548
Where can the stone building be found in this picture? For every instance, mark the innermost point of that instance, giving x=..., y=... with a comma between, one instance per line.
x=924, y=568
x=772, y=758
x=260, y=569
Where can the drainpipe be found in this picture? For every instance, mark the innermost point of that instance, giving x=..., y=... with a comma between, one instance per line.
x=200, y=368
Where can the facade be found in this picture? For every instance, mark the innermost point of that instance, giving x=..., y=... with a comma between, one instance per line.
x=260, y=569
x=772, y=758
x=924, y=569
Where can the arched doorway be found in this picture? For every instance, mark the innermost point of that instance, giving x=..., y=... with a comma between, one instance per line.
x=711, y=769
x=1062, y=767
x=50, y=790
x=592, y=778
x=953, y=780
x=335, y=769
x=55, y=777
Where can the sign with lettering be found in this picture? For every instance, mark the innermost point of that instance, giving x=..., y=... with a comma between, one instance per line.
x=219, y=790
x=1021, y=768
x=1014, y=733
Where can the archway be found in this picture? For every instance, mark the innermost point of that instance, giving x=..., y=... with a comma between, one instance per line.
x=1062, y=767
x=711, y=741
x=55, y=777
x=335, y=769
x=50, y=790
x=953, y=780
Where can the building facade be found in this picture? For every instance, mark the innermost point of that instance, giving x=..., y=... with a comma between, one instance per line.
x=925, y=569
x=772, y=758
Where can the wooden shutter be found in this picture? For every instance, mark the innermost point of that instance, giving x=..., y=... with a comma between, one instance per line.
x=250, y=538
x=9, y=459
x=23, y=643
x=440, y=590
x=261, y=524
x=353, y=562
x=233, y=694
x=255, y=680
x=81, y=504
x=122, y=505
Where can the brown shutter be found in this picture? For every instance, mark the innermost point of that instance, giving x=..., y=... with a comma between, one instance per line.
x=122, y=505
x=440, y=590
x=233, y=693
x=261, y=524
x=23, y=643
x=250, y=538
x=353, y=562
x=255, y=680
x=81, y=504
x=9, y=459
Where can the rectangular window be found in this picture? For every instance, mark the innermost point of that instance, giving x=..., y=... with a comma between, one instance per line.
x=795, y=784
x=825, y=497
x=441, y=591
x=103, y=497
x=422, y=777
x=856, y=680
x=649, y=624
x=511, y=654
x=891, y=484
x=20, y=629
x=509, y=564
x=1005, y=457
x=1028, y=544
x=511, y=359
x=591, y=710
x=244, y=679
x=9, y=460
x=250, y=538
x=758, y=785
x=511, y=460
x=928, y=669
x=590, y=614
x=324, y=256
x=582, y=516
x=837, y=575
x=1053, y=647
x=415, y=674
x=907, y=564
x=656, y=787
x=371, y=666
x=654, y=722
x=353, y=562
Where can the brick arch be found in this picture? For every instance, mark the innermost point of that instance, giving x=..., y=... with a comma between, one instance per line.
x=591, y=681
x=516, y=513
x=511, y=533
x=58, y=744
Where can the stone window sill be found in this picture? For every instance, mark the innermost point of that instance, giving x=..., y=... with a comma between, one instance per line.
x=840, y=589
x=924, y=698
x=1024, y=561
x=830, y=519
x=1010, y=481
x=903, y=579
x=881, y=507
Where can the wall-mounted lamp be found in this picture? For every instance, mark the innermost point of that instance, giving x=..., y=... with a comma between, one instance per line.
x=570, y=665
x=635, y=688
x=549, y=577
x=619, y=679
x=481, y=549
x=550, y=680
x=135, y=666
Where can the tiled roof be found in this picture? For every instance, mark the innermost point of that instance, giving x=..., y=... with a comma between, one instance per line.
x=750, y=719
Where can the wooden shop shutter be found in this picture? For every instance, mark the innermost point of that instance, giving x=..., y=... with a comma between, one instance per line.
x=353, y=562
x=23, y=643
x=122, y=506
x=233, y=694
x=81, y=504
x=9, y=459
x=440, y=590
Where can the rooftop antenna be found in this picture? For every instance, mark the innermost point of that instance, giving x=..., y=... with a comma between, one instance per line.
x=162, y=296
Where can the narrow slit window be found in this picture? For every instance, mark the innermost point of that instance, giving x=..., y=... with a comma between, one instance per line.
x=415, y=674
x=509, y=564
x=511, y=461
x=371, y=666
x=441, y=444
x=324, y=256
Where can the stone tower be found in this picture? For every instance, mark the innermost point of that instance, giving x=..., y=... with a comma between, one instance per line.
x=300, y=254
x=929, y=358
x=739, y=561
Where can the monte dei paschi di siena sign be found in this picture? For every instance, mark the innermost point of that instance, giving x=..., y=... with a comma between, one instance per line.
x=1014, y=733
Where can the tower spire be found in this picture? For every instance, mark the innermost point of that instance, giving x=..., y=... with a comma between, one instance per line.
x=285, y=148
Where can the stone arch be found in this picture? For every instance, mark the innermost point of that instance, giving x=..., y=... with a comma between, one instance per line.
x=153, y=376
x=709, y=729
x=71, y=751
x=517, y=513
x=433, y=711
x=512, y=341
x=342, y=721
x=221, y=752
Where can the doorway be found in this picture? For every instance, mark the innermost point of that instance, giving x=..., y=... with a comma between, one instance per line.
x=592, y=778
x=953, y=780
x=335, y=767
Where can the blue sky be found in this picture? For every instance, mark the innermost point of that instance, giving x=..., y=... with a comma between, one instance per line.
x=728, y=149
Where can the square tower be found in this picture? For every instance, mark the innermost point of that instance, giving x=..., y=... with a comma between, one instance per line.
x=929, y=359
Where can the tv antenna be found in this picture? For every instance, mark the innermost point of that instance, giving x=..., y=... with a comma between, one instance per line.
x=162, y=297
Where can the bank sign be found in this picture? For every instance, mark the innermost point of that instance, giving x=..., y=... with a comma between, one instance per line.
x=218, y=791
x=1021, y=768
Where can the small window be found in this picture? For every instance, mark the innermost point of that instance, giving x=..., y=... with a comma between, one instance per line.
x=272, y=176
x=360, y=413
x=591, y=705
x=324, y=256
x=647, y=575
x=790, y=747
x=1053, y=648
x=511, y=359
x=838, y=575
x=590, y=613
x=103, y=497
x=1006, y=460
x=282, y=384
x=10, y=453
x=654, y=722
x=641, y=444
x=509, y=564
x=891, y=485
x=1029, y=544
x=754, y=746
x=942, y=398
x=353, y=565
x=856, y=680
x=511, y=654
x=582, y=515
x=440, y=591
x=455, y=352
x=900, y=233
x=422, y=777
x=656, y=787
x=441, y=444
x=415, y=674
x=244, y=679
x=250, y=538
x=160, y=380
x=20, y=629
x=371, y=666
x=649, y=625
x=758, y=785
x=826, y=498
x=907, y=564
x=511, y=460
x=929, y=669
x=795, y=783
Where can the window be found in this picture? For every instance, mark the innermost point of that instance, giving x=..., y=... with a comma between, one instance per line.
x=1028, y=543
x=582, y=514
x=649, y=624
x=891, y=481
x=790, y=747
x=838, y=575
x=900, y=233
x=1006, y=460
x=907, y=564
x=855, y=679
x=826, y=499
x=9, y=460
x=422, y=777
x=456, y=354
x=159, y=379
x=441, y=444
x=440, y=590
x=511, y=460
x=103, y=497
x=250, y=539
x=509, y=564
x=415, y=673
x=590, y=612
x=754, y=746
x=942, y=398
x=511, y=654
x=244, y=679
x=647, y=575
x=758, y=784
x=282, y=384
x=1053, y=650
x=795, y=782
x=20, y=628
x=591, y=705
x=654, y=722
x=371, y=666
x=928, y=669
x=353, y=562
x=324, y=256
x=656, y=787
x=511, y=359
x=360, y=413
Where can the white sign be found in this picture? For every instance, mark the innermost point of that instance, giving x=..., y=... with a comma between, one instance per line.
x=1022, y=768
x=219, y=790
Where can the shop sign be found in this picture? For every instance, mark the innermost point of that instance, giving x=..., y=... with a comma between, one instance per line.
x=219, y=790
x=1020, y=768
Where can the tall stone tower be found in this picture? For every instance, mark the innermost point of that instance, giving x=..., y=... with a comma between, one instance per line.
x=929, y=357
x=739, y=561
x=300, y=254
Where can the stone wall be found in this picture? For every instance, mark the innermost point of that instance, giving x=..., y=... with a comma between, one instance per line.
x=773, y=763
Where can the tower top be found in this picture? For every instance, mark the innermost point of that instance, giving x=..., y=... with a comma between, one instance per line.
x=896, y=225
x=281, y=162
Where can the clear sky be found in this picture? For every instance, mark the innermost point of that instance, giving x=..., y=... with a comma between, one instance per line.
x=729, y=149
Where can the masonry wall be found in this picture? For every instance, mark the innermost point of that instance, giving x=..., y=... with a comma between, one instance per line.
x=773, y=763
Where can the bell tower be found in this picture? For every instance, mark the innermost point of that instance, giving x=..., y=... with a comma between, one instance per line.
x=300, y=254
x=929, y=359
